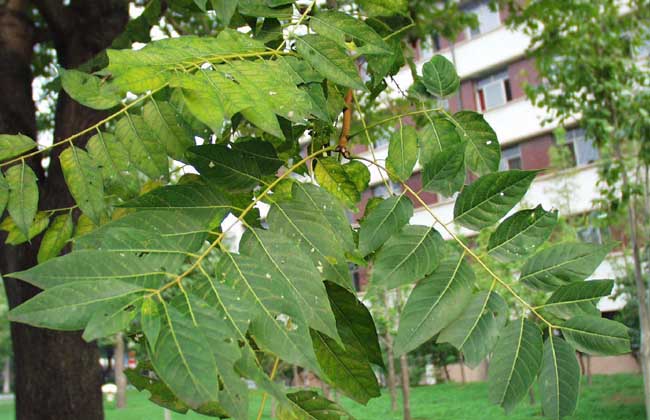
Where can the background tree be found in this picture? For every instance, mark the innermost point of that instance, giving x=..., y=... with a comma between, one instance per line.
x=587, y=54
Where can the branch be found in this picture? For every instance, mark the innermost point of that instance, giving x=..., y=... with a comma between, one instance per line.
x=58, y=17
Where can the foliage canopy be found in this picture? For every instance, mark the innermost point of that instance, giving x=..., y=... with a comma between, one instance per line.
x=152, y=253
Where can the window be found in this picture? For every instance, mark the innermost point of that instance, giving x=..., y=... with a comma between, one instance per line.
x=493, y=91
x=511, y=158
x=380, y=190
x=488, y=19
x=582, y=149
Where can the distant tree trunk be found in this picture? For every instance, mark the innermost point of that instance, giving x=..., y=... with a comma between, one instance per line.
x=392, y=379
x=57, y=374
x=531, y=395
x=120, y=378
x=462, y=370
x=445, y=369
x=588, y=370
x=6, y=376
x=406, y=386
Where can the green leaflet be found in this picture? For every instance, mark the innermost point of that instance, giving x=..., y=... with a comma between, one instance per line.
x=384, y=7
x=224, y=10
x=282, y=257
x=330, y=60
x=167, y=126
x=434, y=303
x=308, y=405
x=355, y=322
x=107, y=322
x=562, y=264
x=239, y=313
x=402, y=153
x=210, y=97
x=145, y=152
x=23, y=196
x=490, y=197
x=241, y=166
x=595, y=335
x=261, y=8
x=4, y=193
x=477, y=329
x=348, y=367
x=161, y=239
x=408, y=256
x=187, y=196
x=265, y=83
x=559, y=378
x=439, y=76
x=151, y=318
x=13, y=145
x=56, y=237
x=151, y=67
x=578, y=298
x=386, y=219
x=69, y=306
x=345, y=368
x=159, y=392
x=445, y=172
x=92, y=266
x=340, y=27
x=16, y=237
x=84, y=181
x=516, y=361
x=521, y=233
x=260, y=293
x=184, y=359
x=302, y=219
x=233, y=394
x=437, y=135
x=345, y=182
x=113, y=161
x=89, y=90
x=483, y=152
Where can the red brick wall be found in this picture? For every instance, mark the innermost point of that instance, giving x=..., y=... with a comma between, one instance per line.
x=415, y=182
x=534, y=152
x=520, y=73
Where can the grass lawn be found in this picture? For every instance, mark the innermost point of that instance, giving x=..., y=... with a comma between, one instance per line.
x=618, y=397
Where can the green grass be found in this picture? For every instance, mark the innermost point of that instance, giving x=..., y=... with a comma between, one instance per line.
x=617, y=397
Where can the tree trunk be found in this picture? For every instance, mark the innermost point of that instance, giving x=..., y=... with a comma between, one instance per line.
x=57, y=374
x=120, y=378
x=588, y=370
x=392, y=380
x=406, y=386
x=6, y=376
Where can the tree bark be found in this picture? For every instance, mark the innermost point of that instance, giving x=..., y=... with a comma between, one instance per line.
x=57, y=373
x=406, y=386
x=120, y=378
